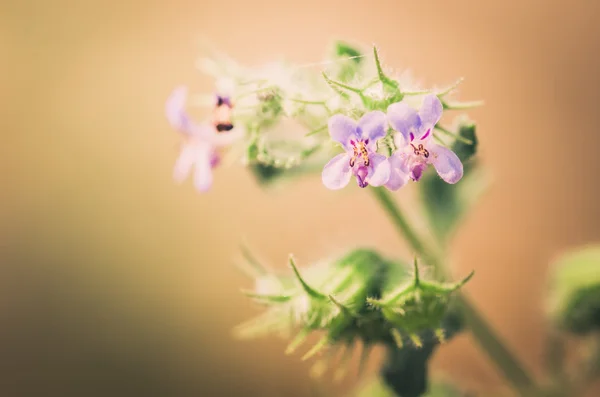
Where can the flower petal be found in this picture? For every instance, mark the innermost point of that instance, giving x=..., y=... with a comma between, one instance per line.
x=337, y=172
x=404, y=119
x=399, y=141
x=372, y=126
x=416, y=172
x=361, y=173
x=398, y=172
x=175, y=110
x=446, y=163
x=431, y=112
x=379, y=170
x=203, y=177
x=342, y=129
x=184, y=163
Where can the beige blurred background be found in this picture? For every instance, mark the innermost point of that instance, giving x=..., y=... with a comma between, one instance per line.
x=115, y=281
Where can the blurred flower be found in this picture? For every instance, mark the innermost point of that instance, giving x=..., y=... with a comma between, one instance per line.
x=360, y=297
x=200, y=148
x=415, y=148
x=359, y=140
x=574, y=298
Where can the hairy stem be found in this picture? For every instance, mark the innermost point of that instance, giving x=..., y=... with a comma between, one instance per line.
x=487, y=339
x=405, y=370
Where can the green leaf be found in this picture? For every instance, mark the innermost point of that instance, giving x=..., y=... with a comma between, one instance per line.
x=574, y=298
x=463, y=149
x=348, y=61
x=446, y=204
x=343, y=50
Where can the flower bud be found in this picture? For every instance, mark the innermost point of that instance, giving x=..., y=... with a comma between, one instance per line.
x=574, y=299
x=360, y=297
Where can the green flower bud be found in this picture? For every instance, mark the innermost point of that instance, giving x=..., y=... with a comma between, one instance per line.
x=360, y=297
x=417, y=306
x=574, y=299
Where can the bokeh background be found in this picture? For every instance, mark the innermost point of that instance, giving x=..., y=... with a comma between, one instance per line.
x=114, y=281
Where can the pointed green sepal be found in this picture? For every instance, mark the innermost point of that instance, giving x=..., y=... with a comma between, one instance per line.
x=307, y=288
x=385, y=80
x=267, y=298
x=255, y=264
x=375, y=302
x=344, y=362
x=321, y=344
x=321, y=366
x=440, y=334
x=397, y=336
x=364, y=357
x=390, y=86
x=416, y=277
x=343, y=309
x=464, y=281
x=297, y=341
x=337, y=84
x=456, y=105
x=416, y=340
x=450, y=88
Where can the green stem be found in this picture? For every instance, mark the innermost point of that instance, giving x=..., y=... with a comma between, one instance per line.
x=504, y=360
x=306, y=102
x=453, y=135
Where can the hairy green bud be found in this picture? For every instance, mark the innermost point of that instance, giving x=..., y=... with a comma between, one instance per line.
x=574, y=299
x=360, y=297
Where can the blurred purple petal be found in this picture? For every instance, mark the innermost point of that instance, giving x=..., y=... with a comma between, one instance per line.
x=446, y=163
x=184, y=163
x=404, y=119
x=215, y=159
x=430, y=113
x=398, y=172
x=337, y=172
x=379, y=170
x=372, y=126
x=342, y=129
x=203, y=177
x=175, y=110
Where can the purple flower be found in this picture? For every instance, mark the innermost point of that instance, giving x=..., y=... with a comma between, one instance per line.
x=202, y=141
x=359, y=140
x=415, y=146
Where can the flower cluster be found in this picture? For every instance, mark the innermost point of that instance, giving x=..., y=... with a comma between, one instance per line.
x=389, y=132
x=280, y=113
x=413, y=139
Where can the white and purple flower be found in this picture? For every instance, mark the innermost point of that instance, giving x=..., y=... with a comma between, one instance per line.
x=359, y=140
x=415, y=146
x=202, y=141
